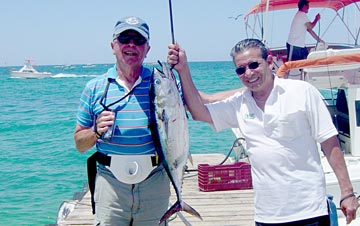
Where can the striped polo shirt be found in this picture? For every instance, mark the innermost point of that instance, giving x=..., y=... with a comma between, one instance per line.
x=132, y=133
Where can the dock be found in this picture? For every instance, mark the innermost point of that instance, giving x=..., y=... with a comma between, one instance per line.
x=217, y=208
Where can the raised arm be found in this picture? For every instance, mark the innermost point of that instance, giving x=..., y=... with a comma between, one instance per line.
x=194, y=102
x=311, y=25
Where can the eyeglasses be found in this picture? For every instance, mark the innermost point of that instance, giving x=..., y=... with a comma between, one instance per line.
x=241, y=70
x=138, y=39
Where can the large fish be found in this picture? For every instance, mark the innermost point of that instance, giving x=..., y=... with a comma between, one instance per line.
x=170, y=132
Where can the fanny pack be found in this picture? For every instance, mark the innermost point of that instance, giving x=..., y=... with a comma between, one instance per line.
x=129, y=169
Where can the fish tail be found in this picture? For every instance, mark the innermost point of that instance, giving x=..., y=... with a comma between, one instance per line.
x=179, y=206
x=187, y=208
x=173, y=209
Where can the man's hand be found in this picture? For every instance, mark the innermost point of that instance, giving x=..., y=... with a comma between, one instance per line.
x=104, y=121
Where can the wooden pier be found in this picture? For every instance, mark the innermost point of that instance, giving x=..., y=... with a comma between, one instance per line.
x=217, y=208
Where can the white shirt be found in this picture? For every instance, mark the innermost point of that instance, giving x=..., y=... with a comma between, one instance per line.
x=298, y=29
x=288, y=178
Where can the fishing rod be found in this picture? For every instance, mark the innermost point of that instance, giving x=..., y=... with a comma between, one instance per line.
x=172, y=29
x=171, y=23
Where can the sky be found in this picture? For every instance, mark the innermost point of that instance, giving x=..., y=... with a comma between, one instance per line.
x=55, y=32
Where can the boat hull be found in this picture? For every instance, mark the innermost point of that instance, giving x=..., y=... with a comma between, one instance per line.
x=29, y=75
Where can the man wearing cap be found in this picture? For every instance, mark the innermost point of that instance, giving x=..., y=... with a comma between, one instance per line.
x=131, y=186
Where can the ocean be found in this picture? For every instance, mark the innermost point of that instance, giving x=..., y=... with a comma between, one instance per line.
x=39, y=164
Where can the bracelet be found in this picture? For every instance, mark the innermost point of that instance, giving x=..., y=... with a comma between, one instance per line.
x=98, y=135
x=346, y=197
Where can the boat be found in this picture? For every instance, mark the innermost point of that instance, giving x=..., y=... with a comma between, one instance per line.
x=28, y=71
x=334, y=69
x=257, y=19
x=88, y=66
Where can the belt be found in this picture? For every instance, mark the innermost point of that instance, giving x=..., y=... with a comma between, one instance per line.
x=106, y=161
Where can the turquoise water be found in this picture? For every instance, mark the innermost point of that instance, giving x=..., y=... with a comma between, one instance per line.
x=39, y=164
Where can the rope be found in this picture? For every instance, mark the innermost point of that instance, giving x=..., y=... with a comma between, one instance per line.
x=236, y=143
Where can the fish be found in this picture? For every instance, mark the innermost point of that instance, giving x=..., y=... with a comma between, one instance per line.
x=171, y=134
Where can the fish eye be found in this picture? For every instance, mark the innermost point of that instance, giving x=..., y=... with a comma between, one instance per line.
x=157, y=81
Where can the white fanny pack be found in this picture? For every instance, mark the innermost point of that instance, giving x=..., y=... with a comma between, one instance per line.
x=131, y=169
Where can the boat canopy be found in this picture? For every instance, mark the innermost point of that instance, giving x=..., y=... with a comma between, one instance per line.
x=265, y=6
x=290, y=4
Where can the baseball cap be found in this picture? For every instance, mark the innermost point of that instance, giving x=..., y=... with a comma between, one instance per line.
x=132, y=23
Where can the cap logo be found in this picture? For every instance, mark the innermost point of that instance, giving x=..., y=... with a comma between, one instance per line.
x=132, y=20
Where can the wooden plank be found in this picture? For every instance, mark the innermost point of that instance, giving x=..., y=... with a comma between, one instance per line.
x=217, y=208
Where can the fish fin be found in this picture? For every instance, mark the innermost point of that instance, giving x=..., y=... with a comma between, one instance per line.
x=187, y=208
x=179, y=206
x=173, y=209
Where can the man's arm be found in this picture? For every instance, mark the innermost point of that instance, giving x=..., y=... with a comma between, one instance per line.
x=85, y=138
x=336, y=160
x=311, y=25
x=314, y=35
x=210, y=98
x=194, y=102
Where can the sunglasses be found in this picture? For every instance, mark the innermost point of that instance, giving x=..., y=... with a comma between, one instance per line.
x=109, y=133
x=137, y=39
x=241, y=70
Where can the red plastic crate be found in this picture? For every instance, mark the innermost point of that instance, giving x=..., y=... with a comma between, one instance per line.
x=235, y=176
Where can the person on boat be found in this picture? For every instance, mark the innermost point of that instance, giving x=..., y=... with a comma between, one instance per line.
x=113, y=114
x=282, y=120
x=295, y=45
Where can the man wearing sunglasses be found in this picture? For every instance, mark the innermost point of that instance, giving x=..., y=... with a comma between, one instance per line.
x=127, y=181
x=282, y=120
x=295, y=44
x=131, y=186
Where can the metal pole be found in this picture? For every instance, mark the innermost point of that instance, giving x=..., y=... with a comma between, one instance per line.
x=171, y=23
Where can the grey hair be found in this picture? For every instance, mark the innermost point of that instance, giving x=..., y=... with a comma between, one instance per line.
x=249, y=43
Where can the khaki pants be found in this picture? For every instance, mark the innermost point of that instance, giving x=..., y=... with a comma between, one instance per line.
x=123, y=204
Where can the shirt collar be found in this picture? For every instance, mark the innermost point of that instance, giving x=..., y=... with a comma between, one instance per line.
x=145, y=73
x=278, y=86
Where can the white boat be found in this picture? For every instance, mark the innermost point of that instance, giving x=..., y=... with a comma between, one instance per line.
x=28, y=71
x=88, y=65
x=258, y=19
x=335, y=70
